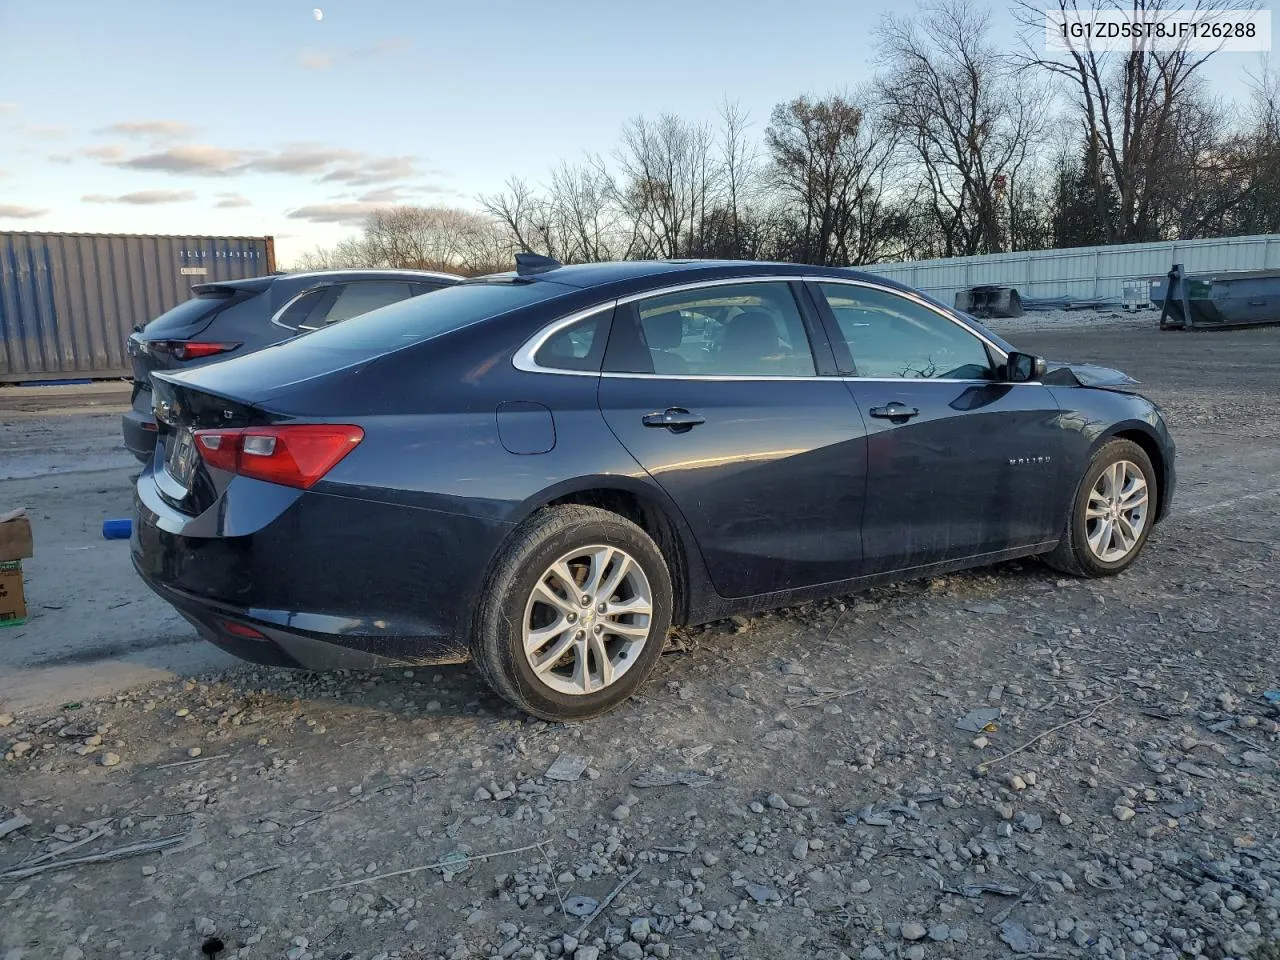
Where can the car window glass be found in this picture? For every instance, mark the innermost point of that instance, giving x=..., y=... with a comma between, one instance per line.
x=187, y=314
x=422, y=318
x=364, y=295
x=578, y=346
x=742, y=330
x=306, y=312
x=892, y=337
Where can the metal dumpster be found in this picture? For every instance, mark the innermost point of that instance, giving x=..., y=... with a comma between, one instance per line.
x=1216, y=300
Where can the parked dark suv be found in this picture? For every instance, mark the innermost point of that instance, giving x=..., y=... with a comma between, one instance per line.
x=237, y=317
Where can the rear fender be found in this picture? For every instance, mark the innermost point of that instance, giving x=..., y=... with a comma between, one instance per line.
x=649, y=506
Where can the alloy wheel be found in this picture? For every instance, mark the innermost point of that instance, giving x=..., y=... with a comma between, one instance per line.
x=587, y=619
x=1116, y=514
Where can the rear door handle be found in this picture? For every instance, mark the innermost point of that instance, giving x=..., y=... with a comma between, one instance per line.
x=895, y=411
x=675, y=419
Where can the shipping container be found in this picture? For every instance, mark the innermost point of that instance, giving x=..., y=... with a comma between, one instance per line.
x=68, y=301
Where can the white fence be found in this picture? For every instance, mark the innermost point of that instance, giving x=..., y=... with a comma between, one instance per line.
x=1083, y=273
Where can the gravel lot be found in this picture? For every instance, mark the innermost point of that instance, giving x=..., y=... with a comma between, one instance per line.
x=793, y=785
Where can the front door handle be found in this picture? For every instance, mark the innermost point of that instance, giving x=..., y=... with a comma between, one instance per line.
x=675, y=419
x=895, y=411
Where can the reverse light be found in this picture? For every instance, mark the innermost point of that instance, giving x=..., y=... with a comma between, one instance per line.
x=293, y=455
x=190, y=349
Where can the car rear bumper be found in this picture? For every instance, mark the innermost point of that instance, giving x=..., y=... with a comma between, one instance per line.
x=328, y=581
x=139, y=431
x=321, y=645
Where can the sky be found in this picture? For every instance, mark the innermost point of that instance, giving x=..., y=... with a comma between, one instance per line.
x=233, y=117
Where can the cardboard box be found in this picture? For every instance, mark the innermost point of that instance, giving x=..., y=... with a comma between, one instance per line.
x=13, y=602
x=15, y=536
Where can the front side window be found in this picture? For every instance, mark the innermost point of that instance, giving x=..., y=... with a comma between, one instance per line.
x=891, y=337
x=740, y=330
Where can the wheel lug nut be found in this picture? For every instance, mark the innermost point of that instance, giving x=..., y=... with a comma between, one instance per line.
x=586, y=601
x=581, y=634
x=573, y=618
x=599, y=629
x=601, y=608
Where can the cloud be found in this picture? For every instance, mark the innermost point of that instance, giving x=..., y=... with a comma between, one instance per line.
x=198, y=159
x=330, y=164
x=304, y=158
x=229, y=201
x=12, y=211
x=110, y=152
x=373, y=170
x=143, y=198
x=313, y=60
x=41, y=131
x=384, y=195
x=344, y=213
x=155, y=129
x=8, y=106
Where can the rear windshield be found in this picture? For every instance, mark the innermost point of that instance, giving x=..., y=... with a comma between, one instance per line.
x=186, y=315
x=421, y=318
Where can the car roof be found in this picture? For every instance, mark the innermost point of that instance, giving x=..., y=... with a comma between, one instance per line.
x=370, y=274
x=589, y=275
x=315, y=277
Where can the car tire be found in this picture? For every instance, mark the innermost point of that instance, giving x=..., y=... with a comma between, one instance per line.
x=1086, y=548
x=526, y=601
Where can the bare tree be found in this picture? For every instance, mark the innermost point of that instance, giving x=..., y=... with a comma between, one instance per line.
x=667, y=185
x=1130, y=102
x=968, y=122
x=739, y=168
x=829, y=163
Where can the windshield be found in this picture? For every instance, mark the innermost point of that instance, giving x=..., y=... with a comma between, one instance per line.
x=421, y=318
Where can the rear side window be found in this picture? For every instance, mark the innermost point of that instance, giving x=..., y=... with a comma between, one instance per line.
x=195, y=312
x=421, y=318
x=578, y=346
x=361, y=296
x=298, y=314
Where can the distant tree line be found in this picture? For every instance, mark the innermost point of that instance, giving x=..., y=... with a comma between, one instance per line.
x=957, y=147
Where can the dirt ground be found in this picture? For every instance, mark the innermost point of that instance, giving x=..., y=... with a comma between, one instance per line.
x=793, y=785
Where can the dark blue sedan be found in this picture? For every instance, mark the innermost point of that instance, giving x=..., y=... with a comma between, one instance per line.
x=545, y=470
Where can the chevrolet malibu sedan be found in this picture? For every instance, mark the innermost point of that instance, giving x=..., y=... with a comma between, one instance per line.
x=543, y=471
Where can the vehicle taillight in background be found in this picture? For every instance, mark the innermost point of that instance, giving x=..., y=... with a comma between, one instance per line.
x=189, y=349
x=294, y=455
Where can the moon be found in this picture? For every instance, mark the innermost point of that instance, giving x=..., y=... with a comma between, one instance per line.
x=318, y=14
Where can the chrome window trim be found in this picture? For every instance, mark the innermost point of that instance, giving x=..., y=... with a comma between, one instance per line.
x=523, y=359
x=275, y=317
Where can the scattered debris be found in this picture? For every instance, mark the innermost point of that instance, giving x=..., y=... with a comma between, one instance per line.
x=658, y=777
x=108, y=856
x=566, y=768
x=14, y=824
x=982, y=720
x=580, y=906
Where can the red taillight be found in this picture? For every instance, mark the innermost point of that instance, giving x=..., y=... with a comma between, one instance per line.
x=295, y=455
x=241, y=630
x=190, y=349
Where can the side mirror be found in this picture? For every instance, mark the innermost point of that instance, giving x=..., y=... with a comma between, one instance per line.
x=1023, y=367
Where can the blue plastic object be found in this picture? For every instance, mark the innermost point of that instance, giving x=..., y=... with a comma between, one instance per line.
x=117, y=529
